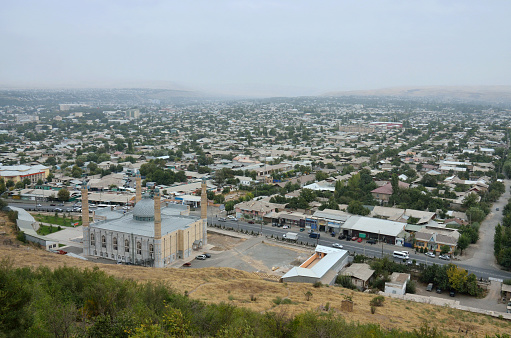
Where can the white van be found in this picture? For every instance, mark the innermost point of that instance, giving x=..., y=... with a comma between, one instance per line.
x=400, y=254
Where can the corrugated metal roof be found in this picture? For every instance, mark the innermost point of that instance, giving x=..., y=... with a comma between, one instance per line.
x=374, y=225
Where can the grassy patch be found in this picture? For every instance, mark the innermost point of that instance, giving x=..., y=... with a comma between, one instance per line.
x=62, y=221
x=46, y=230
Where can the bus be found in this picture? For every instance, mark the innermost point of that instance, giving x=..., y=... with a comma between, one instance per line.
x=400, y=255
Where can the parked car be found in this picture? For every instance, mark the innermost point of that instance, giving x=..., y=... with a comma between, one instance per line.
x=314, y=235
x=359, y=240
x=251, y=222
x=341, y=237
x=39, y=205
x=354, y=238
x=498, y=209
x=371, y=241
x=302, y=229
x=508, y=307
x=337, y=245
x=231, y=217
x=445, y=257
x=430, y=254
x=438, y=290
x=187, y=264
x=201, y=257
x=429, y=287
x=222, y=219
x=207, y=255
x=452, y=293
x=285, y=227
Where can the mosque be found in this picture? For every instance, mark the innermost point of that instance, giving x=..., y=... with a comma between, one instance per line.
x=149, y=235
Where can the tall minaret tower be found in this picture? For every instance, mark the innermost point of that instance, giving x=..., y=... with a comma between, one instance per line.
x=85, y=220
x=158, y=256
x=138, y=181
x=204, y=212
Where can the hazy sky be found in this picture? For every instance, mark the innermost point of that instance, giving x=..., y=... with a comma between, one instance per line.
x=281, y=47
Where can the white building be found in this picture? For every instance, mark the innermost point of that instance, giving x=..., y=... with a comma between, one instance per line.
x=323, y=266
x=397, y=284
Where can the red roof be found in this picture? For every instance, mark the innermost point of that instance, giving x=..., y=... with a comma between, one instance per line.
x=387, y=188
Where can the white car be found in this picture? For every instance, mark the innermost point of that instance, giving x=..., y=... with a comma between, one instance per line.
x=285, y=227
x=39, y=205
x=337, y=245
x=430, y=254
x=201, y=257
x=445, y=257
x=231, y=217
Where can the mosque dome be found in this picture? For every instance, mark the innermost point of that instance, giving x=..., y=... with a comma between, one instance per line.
x=144, y=210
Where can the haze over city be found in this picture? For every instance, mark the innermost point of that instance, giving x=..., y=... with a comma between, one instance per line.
x=258, y=48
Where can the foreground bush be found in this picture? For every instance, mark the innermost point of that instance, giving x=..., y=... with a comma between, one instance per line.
x=69, y=302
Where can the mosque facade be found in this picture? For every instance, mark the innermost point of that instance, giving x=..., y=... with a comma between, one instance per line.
x=149, y=235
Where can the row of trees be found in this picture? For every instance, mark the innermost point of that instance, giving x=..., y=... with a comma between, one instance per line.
x=451, y=277
x=502, y=238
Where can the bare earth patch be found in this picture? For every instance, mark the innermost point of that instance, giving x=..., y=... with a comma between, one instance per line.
x=222, y=242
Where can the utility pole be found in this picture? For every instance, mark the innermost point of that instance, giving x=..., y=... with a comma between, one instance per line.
x=261, y=214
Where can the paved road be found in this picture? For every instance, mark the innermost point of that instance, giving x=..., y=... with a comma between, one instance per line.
x=482, y=251
x=42, y=206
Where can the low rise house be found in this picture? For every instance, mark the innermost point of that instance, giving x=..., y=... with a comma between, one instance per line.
x=397, y=284
x=255, y=209
x=383, y=193
x=361, y=275
x=433, y=238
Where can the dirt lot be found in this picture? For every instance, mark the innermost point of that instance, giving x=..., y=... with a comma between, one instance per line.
x=236, y=287
x=222, y=243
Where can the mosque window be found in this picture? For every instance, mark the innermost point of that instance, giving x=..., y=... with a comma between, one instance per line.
x=114, y=240
x=151, y=248
x=92, y=239
x=126, y=246
x=139, y=248
x=103, y=241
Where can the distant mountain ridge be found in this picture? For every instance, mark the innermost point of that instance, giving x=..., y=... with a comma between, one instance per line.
x=465, y=93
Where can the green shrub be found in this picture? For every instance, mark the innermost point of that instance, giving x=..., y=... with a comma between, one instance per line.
x=411, y=287
x=21, y=237
x=377, y=301
x=345, y=281
x=317, y=284
x=308, y=295
x=12, y=215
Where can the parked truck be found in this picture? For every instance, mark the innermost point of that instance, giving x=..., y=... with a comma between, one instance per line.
x=291, y=236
